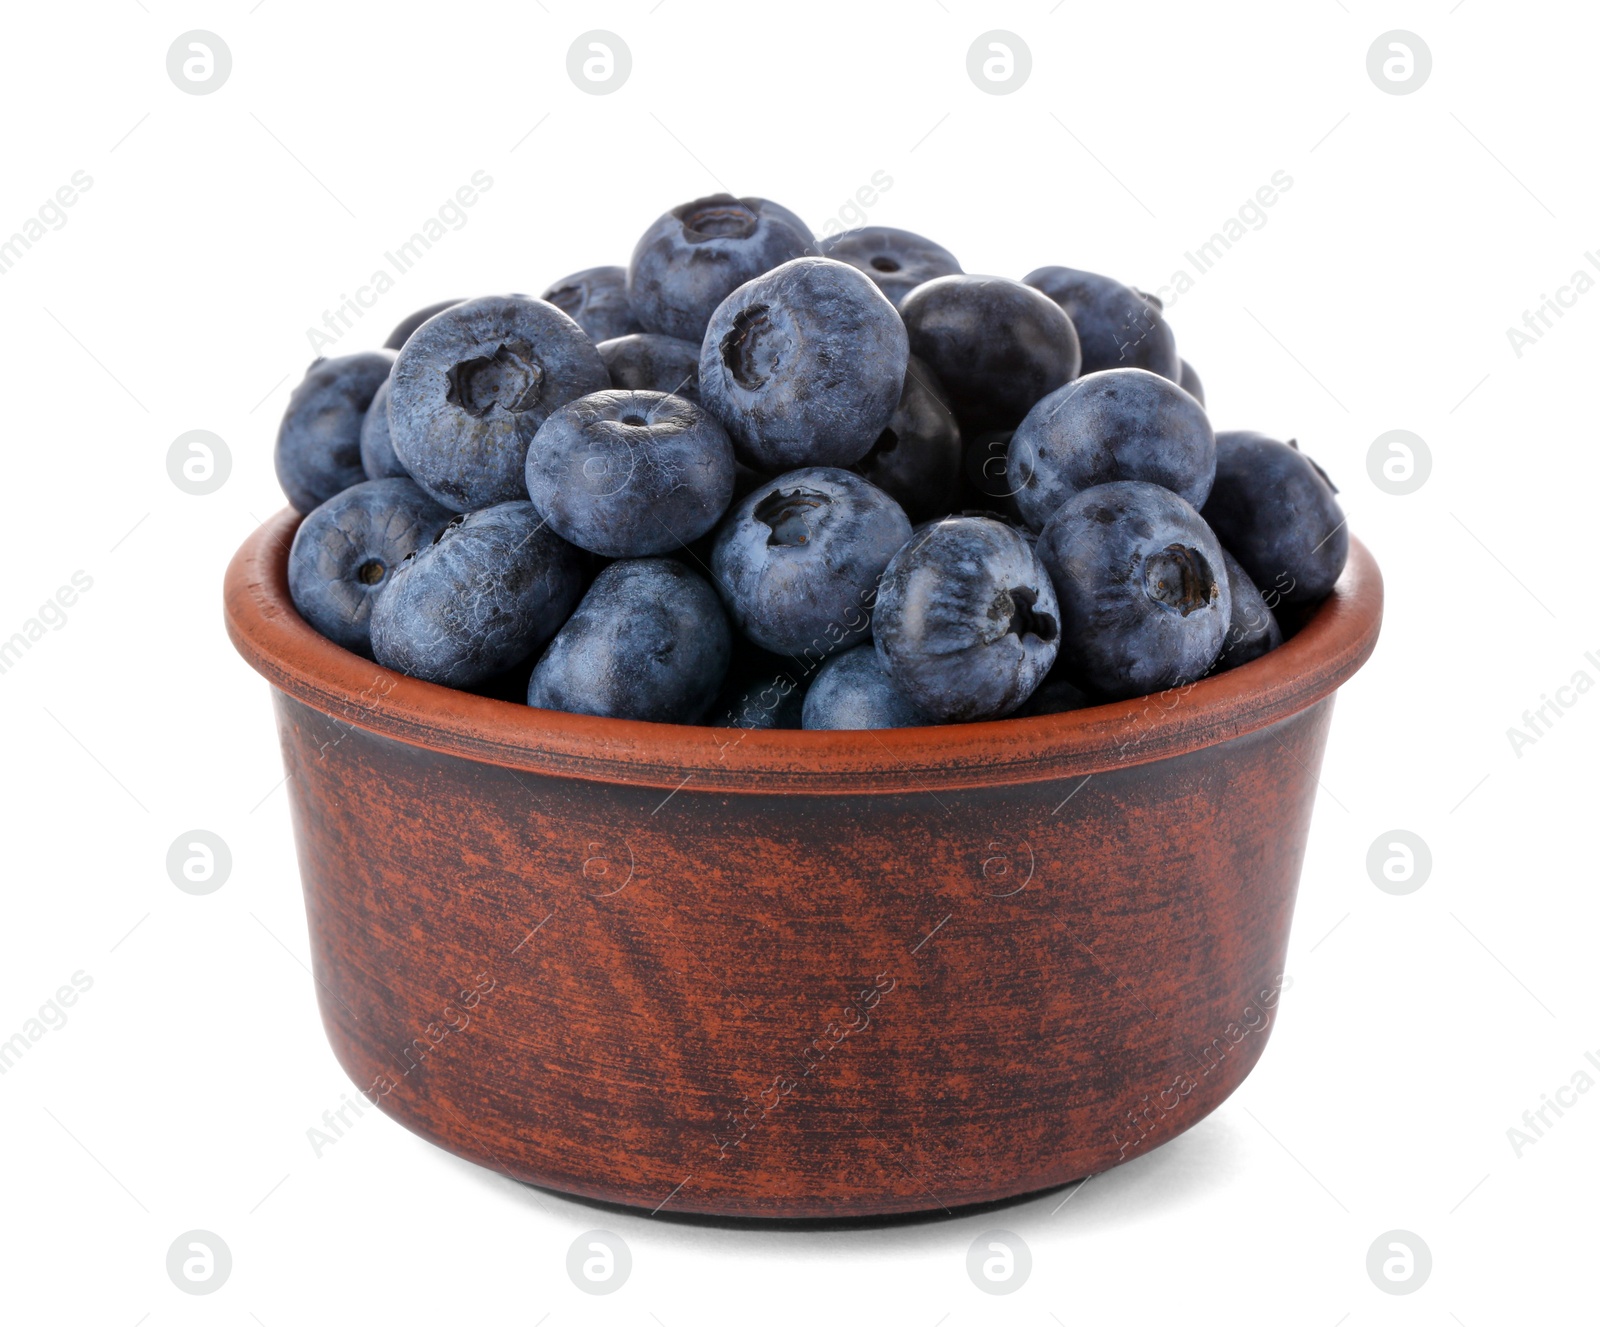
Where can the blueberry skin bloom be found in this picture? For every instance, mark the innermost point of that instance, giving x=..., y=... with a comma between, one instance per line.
x=897, y=260
x=916, y=459
x=1252, y=628
x=1273, y=509
x=798, y=560
x=630, y=474
x=378, y=460
x=597, y=300
x=1145, y=603
x=804, y=365
x=966, y=623
x=318, y=452
x=695, y=256
x=490, y=590
x=649, y=641
x=1117, y=327
x=997, y=346
x=1116, y=424
x=344, y=551
x=407, y=325
x=1189, y=380
x=852, y=691
x=471, y=388
x=646, y=362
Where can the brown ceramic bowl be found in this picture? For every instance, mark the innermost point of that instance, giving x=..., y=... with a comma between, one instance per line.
x=789, y=974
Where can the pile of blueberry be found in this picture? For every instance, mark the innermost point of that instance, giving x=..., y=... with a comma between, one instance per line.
x=761, y=480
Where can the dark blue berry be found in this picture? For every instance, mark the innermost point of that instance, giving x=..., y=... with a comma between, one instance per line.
x=1144, y=597
x=996, y=345
x=966, y=621
x=798, y=560
x=318, y=452
x=916, y=459
x=491, y=589
x=853, y=691
x=597, y=300
x=1189, y=380
x=472, y=387
x=762, y=691
x=1252, y=628
x=896, y=259
x=695, y=256
x=647, y=362
x=1274, y=509
x=1116, y=424
x=649, y=641
x=1117, y=327
x=344, y=551
x=804, y=365
x=630, y=474
x=412, y=321
x=378, y=460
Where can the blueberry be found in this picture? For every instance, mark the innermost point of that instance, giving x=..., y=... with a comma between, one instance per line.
x=597, y=300
x=997, y=345
x=1273, y=508
x=646, y=362
x=648, y=641
x=378, y=460
x=852, y=690
x=762, y=691
x=1144, y=597
x=1189, y=380
x=1117, y=327
x=1057, y=694
x=1115, y=424
x=916, y=459
x=471, y=388
x=344, y=551
x=966, y=621
x=412, y=321
x=896, y=259
x=1252, y=629
x=318, y=452
x=804, y=365
x=798, y=560
x=987, y=481
x=630, y=474
x=695, y=256
x=491, y=589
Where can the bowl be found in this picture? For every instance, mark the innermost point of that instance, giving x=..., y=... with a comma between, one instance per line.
x=793, y=974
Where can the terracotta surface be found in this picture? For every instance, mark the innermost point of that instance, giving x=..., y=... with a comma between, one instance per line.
x=796, y=974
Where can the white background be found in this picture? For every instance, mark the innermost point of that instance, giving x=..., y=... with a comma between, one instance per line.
x=219, y=228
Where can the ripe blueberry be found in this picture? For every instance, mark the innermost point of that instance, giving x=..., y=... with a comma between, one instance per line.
x=1115, y=424
x=492, y=588
x=966, y=622
x=695, y=256
x=344, y=551
x=646, y=362
x=597, y=300
x=471, y=388
x=896, y=259
x=798, y=560
x=916, y=459
x=1252, y=628
x=1145, y=603
x=412, y=321
x=804, y=365
x=1117, y=327
x=378, y=460
x=1273, y=508
x=318, y=452
x=996, y=345
x=630, y=474
x=852, y=690
x=648, y=641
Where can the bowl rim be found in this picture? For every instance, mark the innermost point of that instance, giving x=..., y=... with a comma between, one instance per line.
x=274, y=640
